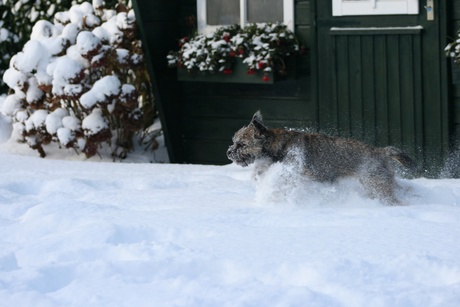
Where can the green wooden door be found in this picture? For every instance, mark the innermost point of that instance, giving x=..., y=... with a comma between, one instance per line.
x=382, y=79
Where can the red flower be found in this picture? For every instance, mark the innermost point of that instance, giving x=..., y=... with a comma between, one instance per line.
x=261, y=65
x=182, y=41
x=241, y=51
x=228, y=71
x=265, y=78
x=232, y=54
x=251, y=71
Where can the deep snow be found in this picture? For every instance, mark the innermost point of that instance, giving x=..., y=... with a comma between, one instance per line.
x=75, y=233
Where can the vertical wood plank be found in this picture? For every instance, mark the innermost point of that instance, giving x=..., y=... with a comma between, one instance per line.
x=408, y=89
x=343, y=85
x=381, y=90
x=418, y=100
x=368, y=89
x=394, y=90
x=436, y=136
x=325, y=95
x=356, y=86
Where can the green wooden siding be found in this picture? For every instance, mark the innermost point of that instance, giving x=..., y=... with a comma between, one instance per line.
x=384, y=87
x=384, y=80
x=377, y=86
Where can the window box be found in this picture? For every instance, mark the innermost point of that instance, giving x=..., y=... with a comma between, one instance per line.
x=239, y=74
x=254, y=54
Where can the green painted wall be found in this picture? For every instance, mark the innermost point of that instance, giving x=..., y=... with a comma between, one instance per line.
x=199, y=118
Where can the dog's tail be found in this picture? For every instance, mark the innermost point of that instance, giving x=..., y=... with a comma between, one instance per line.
x=399, y=156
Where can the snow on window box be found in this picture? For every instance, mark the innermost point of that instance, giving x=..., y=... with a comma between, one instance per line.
x=261, y=50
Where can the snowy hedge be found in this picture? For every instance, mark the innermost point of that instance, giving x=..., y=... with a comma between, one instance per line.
x=16, y=20
x=81, y=81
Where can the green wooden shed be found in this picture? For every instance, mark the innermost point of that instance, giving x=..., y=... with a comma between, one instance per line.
x=374, y=70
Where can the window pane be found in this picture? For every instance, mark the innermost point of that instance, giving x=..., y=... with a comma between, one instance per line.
x=265, y=10
x=223, y=12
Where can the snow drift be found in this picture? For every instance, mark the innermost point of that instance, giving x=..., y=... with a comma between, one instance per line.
x=104, y=234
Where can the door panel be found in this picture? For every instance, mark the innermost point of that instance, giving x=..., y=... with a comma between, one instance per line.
x=379, y=79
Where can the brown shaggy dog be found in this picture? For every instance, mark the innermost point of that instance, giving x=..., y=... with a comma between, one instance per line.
x=323, y=158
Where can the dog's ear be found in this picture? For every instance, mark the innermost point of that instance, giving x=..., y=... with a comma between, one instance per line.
x=257, y=116
x=257, y=122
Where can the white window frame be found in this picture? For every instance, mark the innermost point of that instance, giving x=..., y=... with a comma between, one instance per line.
x=203, y=27
x=374, y=7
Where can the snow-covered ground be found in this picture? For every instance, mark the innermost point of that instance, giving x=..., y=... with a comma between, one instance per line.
x=79, y=233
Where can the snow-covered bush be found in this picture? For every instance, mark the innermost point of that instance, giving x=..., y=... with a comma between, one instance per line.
x=81, y=81
x=260, y=46
x=16, y=20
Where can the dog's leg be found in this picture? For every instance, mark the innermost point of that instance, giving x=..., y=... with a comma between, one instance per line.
x=378, y=181
x=260, y=167
x=381, y=187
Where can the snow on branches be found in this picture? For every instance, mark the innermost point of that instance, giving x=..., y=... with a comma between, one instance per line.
x=260, y=46
x=453, y=49
x=80, y=81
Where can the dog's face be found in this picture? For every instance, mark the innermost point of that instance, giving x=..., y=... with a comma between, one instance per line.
x=248, y=142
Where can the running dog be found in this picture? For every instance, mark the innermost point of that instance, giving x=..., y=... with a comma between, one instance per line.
x=322, y=158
